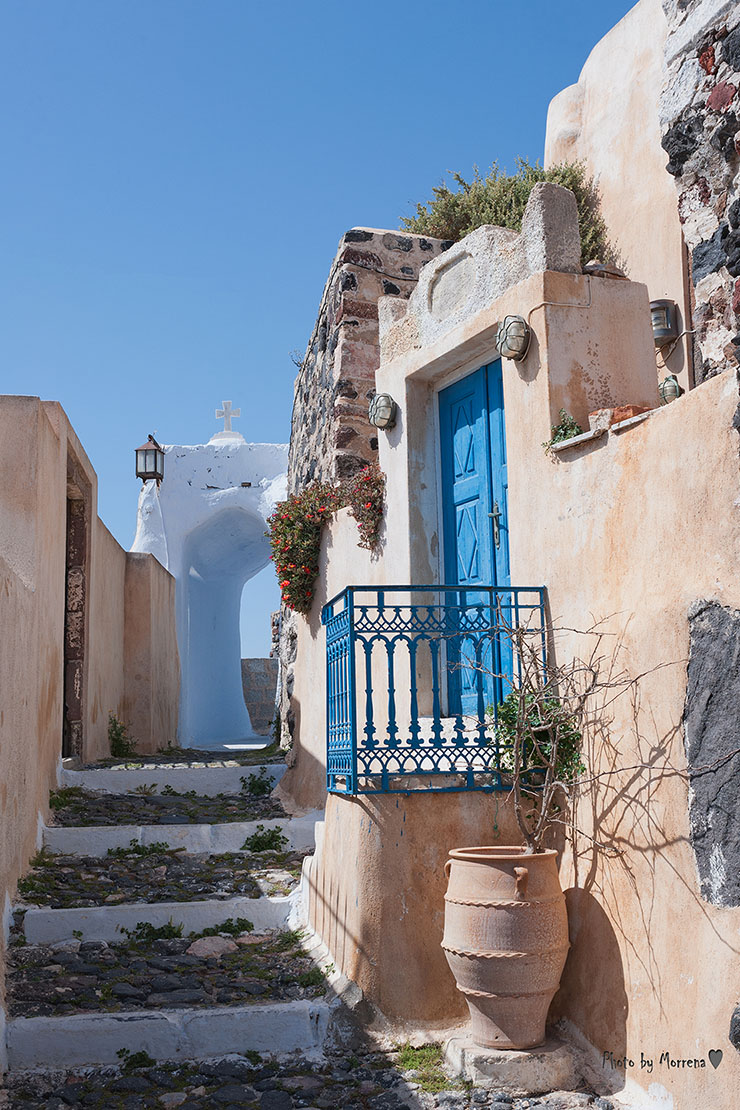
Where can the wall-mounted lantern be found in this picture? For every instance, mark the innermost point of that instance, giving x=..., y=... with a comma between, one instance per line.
x=513, y=337
x=150, y=461
x=382, y=411
x=665, y=322
x=669, y=389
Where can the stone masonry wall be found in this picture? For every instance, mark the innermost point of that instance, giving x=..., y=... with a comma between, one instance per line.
x=700, y=125
x=330, y=436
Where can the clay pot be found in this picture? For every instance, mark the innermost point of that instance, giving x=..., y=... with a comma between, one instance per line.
x=506, y=939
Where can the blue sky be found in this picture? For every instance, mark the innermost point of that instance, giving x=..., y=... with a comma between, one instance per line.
x=177, y=174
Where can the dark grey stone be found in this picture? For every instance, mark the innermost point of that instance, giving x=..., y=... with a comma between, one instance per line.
x=390, y=288
x=731, y=49
x=735, y=1028
x=276, y=1100
x=126, y=990
x=681, y=140
x=732, y=247
x=135, y=1084
x=709, y=256
x=357, y=236
x=712, y=738
x=722, y=137
x=733, y=214
x=234, y=1093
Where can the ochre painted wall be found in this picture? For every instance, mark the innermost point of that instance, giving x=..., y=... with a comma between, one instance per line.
x=630, y=530
x=36, y=443
x=610, y=121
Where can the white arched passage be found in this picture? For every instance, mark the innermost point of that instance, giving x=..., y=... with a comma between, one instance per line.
x=219, y=557
x=206, y=523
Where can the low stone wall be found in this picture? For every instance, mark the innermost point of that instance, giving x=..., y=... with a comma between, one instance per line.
x=700, y=124
x=259, y=681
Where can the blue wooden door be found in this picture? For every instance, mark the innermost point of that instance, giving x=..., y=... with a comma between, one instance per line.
x=475, y=526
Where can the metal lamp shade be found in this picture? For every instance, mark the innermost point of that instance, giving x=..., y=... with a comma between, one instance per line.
x=150, y=461
x=382, y=411
x=513, y=337
x=665, y=322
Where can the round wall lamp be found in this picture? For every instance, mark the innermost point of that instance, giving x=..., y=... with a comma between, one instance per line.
x=669, y=389
x=513, y=337
x=382, y=411
x=664, y=319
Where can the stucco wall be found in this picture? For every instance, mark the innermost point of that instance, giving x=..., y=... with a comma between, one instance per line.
x=151, y=665
x=610, y=121
x=37, y=446
x=105, y=639
x=631, y=528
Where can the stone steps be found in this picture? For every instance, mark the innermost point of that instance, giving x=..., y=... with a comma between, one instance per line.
x=205, y=780
x=98, y=840
x=95, y=1037
x=85, y=1040
x=43, y=925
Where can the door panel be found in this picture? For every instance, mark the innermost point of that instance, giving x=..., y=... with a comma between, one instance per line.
x=475, y=526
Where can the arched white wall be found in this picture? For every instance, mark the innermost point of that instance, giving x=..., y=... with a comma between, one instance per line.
x=219, y=557
x=206, y=523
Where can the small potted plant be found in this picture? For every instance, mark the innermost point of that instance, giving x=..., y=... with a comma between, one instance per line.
x=506, y=927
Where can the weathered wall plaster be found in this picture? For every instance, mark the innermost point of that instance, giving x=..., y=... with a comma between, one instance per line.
x=628, y=529
x=610, y=121
x=206, y=524
x=38, y=452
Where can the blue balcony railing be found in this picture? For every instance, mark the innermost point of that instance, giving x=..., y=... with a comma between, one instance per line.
x=414, y=678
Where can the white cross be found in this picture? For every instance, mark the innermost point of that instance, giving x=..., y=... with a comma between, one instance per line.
x=226, y=413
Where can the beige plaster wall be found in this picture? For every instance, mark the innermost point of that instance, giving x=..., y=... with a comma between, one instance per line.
x=630, y=529
x=32, y=461
x=36, y=441
x=105, y=639
x=610, y=121
x=151, y=663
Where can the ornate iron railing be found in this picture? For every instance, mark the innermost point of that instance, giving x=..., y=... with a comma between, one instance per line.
x=424, y=668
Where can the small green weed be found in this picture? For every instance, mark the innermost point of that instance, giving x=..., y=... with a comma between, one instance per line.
x=65, y=796
x=144, y=932
x=77, y=934
x=313, y=978
x=170, y=792
x=121, y=744
x=426, y=1063
x=145, y=788
x=290, y=938
x=253, y=1056
x=265, y=840
x=566, y=428
x=135, y=849
x=233, y=925
x=257, y=786
x=130, y=1061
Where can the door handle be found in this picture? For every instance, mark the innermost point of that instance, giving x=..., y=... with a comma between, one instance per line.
x=495, y=516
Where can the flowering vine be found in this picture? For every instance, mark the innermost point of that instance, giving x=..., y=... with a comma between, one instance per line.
x=295, y=529
x=364, y=494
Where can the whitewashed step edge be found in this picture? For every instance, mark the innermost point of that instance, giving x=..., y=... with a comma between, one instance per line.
x=87, y=1040
x=43, y=925
x=207, y=781
x=97, y=840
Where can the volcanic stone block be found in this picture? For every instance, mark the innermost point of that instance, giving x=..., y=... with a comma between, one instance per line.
x=712, y=739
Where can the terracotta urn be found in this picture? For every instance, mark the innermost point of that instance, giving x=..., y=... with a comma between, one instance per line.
x=506, y=940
